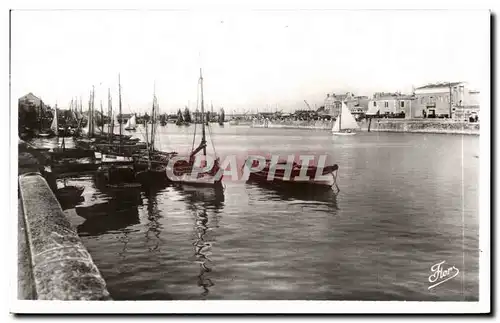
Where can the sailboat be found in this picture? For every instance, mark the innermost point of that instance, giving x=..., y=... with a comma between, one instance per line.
x=155, y=172
x=221, y=117
x=117, y=171
x=131, y=123
x=181, y=171
x=345, y=125
x=54, y=126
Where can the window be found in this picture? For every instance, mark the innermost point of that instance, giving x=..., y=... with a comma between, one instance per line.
x=386, y=104
x=374, y=103
x=402, y=104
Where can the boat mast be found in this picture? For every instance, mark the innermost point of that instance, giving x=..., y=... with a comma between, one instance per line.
x=102, y=120
x=89, y=119
x=153, y=120
x=148, y=146
x=203, y=141
x=93, y=110
x=55, y=124
x=120, y=111
x=340, y=116
x=110, y=115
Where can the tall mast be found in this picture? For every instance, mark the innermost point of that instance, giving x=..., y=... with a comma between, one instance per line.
x=93, y=109
x=120, y=111
x=153, y=117
x=203, y=141
x=340, y=116
x=110, y=114
x=90, y=116
x=102, y=120
x=40, y=119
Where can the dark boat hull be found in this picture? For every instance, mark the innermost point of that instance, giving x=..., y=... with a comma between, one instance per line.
x=294, y=180
x=153, y=177
x=279, y=181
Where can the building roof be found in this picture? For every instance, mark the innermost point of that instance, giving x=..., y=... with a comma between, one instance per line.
x=29, y=96
x=437, y=85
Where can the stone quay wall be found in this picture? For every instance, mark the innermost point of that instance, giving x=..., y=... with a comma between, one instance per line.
x=293, y=124
x=53, y=262
x=381, y=125
x=424, y=126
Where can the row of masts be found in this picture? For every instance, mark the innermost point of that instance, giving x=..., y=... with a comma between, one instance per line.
x=76, y=106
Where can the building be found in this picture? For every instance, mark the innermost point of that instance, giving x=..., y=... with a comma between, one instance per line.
x=31, y=99
x=445, y=99
x=358, y=105
x=391, y=104
x=32, y=112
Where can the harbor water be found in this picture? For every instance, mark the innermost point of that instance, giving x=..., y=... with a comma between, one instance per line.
x=407, y=202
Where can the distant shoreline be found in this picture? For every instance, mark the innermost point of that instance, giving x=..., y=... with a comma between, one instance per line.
x=385, y=125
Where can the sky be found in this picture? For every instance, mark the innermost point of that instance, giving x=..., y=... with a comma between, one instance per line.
x=251, y=60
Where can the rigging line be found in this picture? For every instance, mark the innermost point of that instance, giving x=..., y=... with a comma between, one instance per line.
x=197, y=104
x=211, y=139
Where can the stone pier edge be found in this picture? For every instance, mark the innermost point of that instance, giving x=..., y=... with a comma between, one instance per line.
x=61, y=266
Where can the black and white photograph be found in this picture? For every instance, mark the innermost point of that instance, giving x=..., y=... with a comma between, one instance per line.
x=338, y=160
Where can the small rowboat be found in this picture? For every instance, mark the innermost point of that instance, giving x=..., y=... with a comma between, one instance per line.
x=124, y=185
x=280, y=178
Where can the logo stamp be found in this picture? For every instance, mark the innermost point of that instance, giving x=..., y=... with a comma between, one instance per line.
x=440, y=275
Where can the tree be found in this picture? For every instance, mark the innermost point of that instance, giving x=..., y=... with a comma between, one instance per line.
x=187, y=115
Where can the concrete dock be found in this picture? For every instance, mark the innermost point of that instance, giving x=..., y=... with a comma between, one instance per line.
x=53, y=263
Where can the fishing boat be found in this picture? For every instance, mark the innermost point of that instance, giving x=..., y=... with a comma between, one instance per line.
x=69, y=160
x=117, y=171
x=345, y=125
x=131, y=123
x=295, y=180
x=154, y=172
x=181, y=171
x=69, y=196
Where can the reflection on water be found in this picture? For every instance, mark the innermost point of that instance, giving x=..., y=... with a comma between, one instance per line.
x=153, y=226
x=202, y=250
x=407, y=201
x=106, y=218
x=279, y=193
x=201, y=202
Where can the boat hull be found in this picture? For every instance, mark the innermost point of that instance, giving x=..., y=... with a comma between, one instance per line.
x=153, y=177
x=261, y=177
x=117, y=176
x=343, y=133
x=294, y=179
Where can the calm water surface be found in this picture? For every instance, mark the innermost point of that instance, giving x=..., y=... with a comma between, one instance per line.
x=407, y=201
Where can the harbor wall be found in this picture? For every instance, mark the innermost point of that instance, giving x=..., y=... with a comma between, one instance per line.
x=294, y=124
x=53, y=262
x=381, y=125
x=423, y=126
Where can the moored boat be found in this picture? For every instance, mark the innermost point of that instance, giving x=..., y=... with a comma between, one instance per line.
x=345, y=125
x=280, y=177
x=152, y=172
x=131, y=123
x=181, y=172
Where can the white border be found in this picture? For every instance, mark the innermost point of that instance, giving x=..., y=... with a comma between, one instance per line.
x=256, y=306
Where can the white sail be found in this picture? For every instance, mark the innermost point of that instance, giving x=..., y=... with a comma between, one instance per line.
x=86, y=130
x=131, y=123
x=345, y=120
x=336, y=125
x=54, y=126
